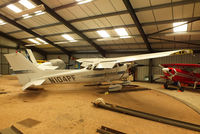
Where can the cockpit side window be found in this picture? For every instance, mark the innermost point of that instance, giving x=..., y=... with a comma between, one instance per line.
x=98, y=68
x=116, y=65
x=89, y=67
x=121, y=64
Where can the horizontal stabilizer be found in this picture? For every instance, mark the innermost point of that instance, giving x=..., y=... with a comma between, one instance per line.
x=35, y=83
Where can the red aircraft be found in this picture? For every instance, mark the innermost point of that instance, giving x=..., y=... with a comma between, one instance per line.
x=181, y=74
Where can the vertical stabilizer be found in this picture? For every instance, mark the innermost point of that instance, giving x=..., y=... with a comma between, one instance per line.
x=25, y=70
x=20, y=64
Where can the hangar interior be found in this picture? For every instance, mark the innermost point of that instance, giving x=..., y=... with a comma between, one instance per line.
x=73, y=29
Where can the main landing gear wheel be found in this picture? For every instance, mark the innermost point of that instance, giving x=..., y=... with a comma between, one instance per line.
x=180, y=87
x=166, y=85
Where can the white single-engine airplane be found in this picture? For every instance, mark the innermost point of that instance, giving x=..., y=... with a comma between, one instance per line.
x=96, y=70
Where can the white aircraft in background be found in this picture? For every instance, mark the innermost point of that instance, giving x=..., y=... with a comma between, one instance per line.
x=48, y=65
x=96, y=70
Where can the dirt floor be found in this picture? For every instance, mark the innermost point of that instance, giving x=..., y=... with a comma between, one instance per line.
x=67, y=109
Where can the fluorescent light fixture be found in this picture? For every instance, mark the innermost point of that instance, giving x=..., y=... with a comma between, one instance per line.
x=41, y=40
x=121, y=32
x=83, y=1
x=103, y=33
x=73, y=41
x=26, y=16
x=34, y=41
x=27, y=4
x=125, y=37
x=107, y=39
x=67, y=37
x=30, y=45
x=14, y=8
x=61, y=42
x=40, y=12
x=2, y=22
x=181, y=28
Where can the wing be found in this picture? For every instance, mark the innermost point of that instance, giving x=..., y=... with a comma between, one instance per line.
x=110, y=62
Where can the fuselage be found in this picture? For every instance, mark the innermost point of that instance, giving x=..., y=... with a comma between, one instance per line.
x=87, y=75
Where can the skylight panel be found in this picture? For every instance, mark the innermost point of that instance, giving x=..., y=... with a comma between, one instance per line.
x=14, y=8
x=41, y=40
x=69, y=38
x=34, y=41
x=103, y=33
x=121, y=31
x=2, y=22
x=27, y=4
x=181, y=28
x=83, y=1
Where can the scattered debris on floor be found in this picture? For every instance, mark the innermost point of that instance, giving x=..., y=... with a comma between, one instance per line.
x=3, y=92
x=106, y=130
x=11, y=130
x=29, y=122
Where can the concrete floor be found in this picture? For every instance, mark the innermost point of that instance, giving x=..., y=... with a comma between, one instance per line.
x=67, y=109
x=190, y=96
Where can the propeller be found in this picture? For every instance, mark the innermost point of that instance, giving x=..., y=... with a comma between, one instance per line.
x=168, y=70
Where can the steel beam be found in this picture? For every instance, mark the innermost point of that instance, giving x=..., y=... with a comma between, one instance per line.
x=112, y=27
x=174, y=41
x=70, y=26
x=178, y=3
x=113, y=13
x=19, y=42
x=65, y=6
x=166, y=29
x=100, y=16
x=33, y=33
x=107, y=52
x=4, y=46
x=127, y=44
x=137, y=23
x=137, y=35
x=183, y=2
